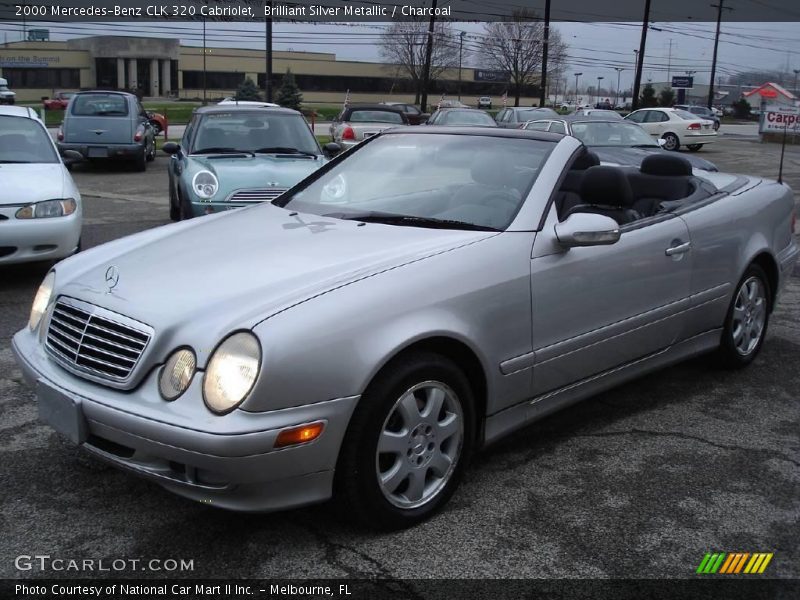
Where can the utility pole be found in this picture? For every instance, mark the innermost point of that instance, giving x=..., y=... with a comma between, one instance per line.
x=426, y=73
x=543, y=82
x=204, y=61
x=719, y=8
x=599, y=79
x=619, y=71
x=268, y=43
x=576, y=88
x=637, y=80
x=460, y=50
x=669, y=62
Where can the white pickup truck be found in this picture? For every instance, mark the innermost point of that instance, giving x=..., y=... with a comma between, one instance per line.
x=6, y=95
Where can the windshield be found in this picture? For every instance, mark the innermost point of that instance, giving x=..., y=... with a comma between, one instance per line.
x=611, y=134
x=24, y=140
x=467, y=117
x=375, y=116
x=465, y=182
x=258, y=131
x=535, y=113
x=90, y=105
x=685, y=114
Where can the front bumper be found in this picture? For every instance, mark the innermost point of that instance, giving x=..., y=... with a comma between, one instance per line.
x=226, y=461
x=786, y=262
x=208, y=208
x=105, y=151
x=27, y=240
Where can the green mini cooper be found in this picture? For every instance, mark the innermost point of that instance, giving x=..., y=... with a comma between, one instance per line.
x=233, y=156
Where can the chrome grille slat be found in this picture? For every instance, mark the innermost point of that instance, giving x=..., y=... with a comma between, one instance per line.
x=95, y=342
x=256, y=195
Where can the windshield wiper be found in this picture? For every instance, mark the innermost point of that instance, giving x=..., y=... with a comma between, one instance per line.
x=221, y=150
x=283, y=150
x=392, y=219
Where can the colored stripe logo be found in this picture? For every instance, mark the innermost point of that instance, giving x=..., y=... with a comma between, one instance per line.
x=734, y=563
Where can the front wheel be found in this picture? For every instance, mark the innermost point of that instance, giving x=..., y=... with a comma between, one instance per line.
x=408, y=442
x=694, y=147
x=671, y=141
x=747, y=320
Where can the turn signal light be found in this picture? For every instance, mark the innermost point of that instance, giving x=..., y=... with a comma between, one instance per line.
x=348, y=133
x=299, y=435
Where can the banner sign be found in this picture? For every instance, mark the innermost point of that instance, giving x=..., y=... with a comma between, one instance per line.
x=28, y=61
x=776, y=119
x=492, y=76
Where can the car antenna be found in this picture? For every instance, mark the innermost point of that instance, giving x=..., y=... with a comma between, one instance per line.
x=783, y=149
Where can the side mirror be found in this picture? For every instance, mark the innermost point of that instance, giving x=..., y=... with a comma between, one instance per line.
x=661, y=142
x=331, y=149
x=71, y=157
x=587, y=229
x=171, y=148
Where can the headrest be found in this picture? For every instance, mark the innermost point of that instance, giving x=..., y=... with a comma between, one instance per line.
x=585, y=160
x=665, y=164
x=607, y=186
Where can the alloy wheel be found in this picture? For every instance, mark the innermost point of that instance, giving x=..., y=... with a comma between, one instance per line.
x=749, y=316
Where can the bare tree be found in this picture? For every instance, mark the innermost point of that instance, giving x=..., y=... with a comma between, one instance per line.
x=516, y=47
x=404, y=44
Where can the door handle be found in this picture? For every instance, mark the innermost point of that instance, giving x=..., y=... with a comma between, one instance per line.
x=679, y=249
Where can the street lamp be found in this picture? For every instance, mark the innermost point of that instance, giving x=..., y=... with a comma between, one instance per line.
x=576, y=88
x=460, y=49
x=619, y=71
x=599, y=79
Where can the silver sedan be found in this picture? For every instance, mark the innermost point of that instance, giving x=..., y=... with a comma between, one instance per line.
x=411, y=302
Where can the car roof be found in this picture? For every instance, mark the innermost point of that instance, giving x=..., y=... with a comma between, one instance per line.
x=226, y=108
x=376, y=106
x=20, y=111
x=105, y=92
x=477, y=132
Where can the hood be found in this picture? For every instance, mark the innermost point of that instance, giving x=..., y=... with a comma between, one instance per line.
x=202, y=278
x=16, y=181
x=260, y=171
x=635, y=156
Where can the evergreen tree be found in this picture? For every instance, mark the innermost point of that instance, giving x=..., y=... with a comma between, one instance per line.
x=648, y=97
x=666, y=98
x=289, y=95
x=247, y=90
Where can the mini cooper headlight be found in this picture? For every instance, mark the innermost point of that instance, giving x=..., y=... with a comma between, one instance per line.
x=205, y=184
x=41, y=300
x=47, y=209
x=231, y=372
x=176, y=374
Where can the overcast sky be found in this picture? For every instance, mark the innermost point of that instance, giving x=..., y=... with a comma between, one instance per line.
x=594, y=48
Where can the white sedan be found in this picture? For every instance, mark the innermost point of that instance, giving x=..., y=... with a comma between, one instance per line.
x=676, y=127
x=40, y=206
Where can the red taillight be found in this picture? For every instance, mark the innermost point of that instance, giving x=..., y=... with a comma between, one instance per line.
x=137, y=137
x=694, y=126
x=60, y=135
x=348, y=133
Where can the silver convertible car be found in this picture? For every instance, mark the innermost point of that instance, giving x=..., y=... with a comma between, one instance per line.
x=406, y=304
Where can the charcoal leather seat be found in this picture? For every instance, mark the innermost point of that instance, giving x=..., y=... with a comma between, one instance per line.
x=568, y=195
x=606, y=191
x=661, y=177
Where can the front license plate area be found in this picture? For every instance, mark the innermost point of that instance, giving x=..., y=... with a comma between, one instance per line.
x=98, y=152
x=61, y=412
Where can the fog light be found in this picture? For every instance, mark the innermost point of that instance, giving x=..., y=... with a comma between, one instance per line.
x=299, y=435
x=177, y=373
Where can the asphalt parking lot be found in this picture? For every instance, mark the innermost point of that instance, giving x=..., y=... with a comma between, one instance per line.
x=640, y=481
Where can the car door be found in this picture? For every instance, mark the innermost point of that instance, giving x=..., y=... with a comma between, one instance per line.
x=656, y=123
x=597, y=308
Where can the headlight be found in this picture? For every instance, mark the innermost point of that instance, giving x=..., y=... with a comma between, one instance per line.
x=176, y=374
x=41, y=300
x=205, y=184
x=47, y=209
x=231, y=372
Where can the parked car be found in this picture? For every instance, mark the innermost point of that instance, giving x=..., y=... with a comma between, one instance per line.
x=6, y=95
x=233, y=156
x=514, y=117
x=358, y=122
x=703, y=112
x=232, y=100
x=614, y=141
x=108, y=126
x=485, y=102
x=598, y=113
x=451, y=104
x=40, y=205
x=414, y=115
x=676, y=127
x=461, y=117
x=418, y=298
x=58, y=102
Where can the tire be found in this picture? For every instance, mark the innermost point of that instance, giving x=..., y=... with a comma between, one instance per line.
x=716, y=126
x=747, y=320
x=140, y=163
x=430, y=451
x=694, y=147
x=672, y=142
x=150, y=155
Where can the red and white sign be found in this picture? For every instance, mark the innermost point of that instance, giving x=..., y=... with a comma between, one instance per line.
x=776, y=119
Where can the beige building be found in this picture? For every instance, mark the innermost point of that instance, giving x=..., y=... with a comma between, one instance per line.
x=161, y=67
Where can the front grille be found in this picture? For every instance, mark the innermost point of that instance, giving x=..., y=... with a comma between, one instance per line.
x=91, y=339
x=256, y=195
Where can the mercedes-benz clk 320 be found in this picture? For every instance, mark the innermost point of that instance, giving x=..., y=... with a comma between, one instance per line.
x=411, y=301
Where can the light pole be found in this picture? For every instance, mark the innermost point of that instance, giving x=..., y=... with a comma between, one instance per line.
x=599, y=79
x=794, y=88
x=460, y=50
x=576, y=88
x=619, y=71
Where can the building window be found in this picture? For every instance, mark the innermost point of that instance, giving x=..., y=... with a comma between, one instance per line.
x=215, y=80
x=42, y=78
